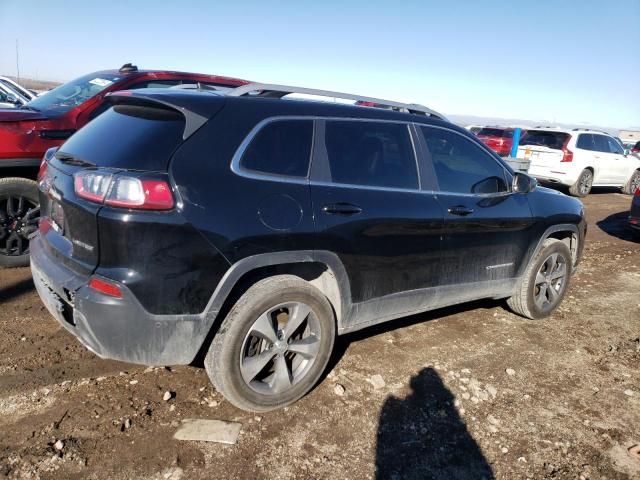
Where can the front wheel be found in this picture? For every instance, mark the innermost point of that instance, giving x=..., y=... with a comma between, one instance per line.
x=633, y=184
x=582, y=187
x=273, y=346
x=545, y=281
x=19, y=214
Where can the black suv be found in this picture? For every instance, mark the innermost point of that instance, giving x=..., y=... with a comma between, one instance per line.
x=253, y=229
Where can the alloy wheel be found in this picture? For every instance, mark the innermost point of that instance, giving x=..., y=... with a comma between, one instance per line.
x=280, y=348
x=550, y=281
x=585, y=182
x=18, y=220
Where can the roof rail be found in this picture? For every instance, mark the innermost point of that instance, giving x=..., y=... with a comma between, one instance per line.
x=278, y=91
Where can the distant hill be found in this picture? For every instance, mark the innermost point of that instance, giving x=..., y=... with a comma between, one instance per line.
x=40, y=85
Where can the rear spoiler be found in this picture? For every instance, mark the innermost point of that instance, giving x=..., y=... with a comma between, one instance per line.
x=196, y=112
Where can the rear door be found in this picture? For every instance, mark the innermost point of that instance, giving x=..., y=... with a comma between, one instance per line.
x=126, y=137
x=606, y=161
x=487, y=228
x=371, y=211
x=621, y=167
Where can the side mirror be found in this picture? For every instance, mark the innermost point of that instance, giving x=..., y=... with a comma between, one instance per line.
x=523, y=183
x=627, y=151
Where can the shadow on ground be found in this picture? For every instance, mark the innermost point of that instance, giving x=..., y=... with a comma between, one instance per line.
x=17, y=289
x=617, y=226
x=423, y=437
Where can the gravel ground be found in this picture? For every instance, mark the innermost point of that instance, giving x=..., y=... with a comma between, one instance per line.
x=466, y=392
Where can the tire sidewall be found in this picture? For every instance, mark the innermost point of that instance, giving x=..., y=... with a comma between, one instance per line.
x=226, y=354
x=555, y=247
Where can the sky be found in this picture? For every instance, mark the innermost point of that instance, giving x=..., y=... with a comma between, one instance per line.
x=556, y=61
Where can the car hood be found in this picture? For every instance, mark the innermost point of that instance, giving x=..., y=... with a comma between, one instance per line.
x=20, y=114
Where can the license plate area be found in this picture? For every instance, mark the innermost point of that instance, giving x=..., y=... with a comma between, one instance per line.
x=56, y=215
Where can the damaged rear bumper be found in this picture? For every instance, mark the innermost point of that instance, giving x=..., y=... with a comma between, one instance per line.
x=116, y=328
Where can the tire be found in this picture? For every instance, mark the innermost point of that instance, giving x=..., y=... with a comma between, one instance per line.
x=258, y=374
x=633, y=184
x=582, y=187
x=529, y=299
x=19, y=213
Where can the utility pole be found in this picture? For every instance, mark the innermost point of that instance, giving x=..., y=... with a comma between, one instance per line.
x=17, y=61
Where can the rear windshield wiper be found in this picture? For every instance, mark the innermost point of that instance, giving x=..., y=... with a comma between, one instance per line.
x=71, y=160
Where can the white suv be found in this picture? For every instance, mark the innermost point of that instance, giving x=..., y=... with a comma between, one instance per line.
x=579, y=159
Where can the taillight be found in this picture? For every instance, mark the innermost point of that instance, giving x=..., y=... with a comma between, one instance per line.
x=92, y=185
x=43, y=169
x=131, y=192
x=637, y=194
x=123, y=190
x=106, y=288
x=567, y=155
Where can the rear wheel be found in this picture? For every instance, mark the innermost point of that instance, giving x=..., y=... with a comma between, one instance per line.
x=273, y=345
x=582, y=187
x=19, y=214
x=633, y=184
x=545, y=282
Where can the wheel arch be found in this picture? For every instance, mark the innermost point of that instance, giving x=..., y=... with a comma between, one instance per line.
x=567, y=233
x=321, y=269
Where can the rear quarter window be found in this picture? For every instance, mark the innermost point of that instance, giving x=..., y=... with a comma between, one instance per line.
x=281, y=147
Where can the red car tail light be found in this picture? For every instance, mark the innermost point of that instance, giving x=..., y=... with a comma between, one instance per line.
x=43, y=169
x=106, y=288
x=123, y=190
x=637, y=194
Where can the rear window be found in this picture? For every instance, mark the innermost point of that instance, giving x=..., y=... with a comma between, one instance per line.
x=129, y=136
x=496, y=132
x=543, y=138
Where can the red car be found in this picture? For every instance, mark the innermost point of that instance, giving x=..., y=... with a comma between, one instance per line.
x=497, y=139
x=26, y=133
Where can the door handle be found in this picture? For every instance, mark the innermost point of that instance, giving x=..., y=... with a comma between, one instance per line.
x=341, y=209
x=460, y=210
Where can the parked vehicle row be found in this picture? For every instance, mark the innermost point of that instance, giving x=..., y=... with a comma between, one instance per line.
x=255, y=229
x=27, y=131
x=12, y=94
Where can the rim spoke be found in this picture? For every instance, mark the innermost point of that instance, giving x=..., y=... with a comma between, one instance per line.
x=297, y=315
x=540, y=278
x=14, y=242
x=307, y=347
x=10, y=210
x=252, y=366
x=552, y=293
x=264, y=328
x=541, y=298
x=282, y=376
x=19, y=211
x=559, y=273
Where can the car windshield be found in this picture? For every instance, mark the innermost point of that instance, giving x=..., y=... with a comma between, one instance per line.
x=496, y=132
x=543, y=138
x=71, y=94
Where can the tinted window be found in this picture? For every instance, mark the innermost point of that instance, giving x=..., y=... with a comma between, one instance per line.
x=600, y=143
x=585, y=141
x=129, y=136
x=371, y=153
x=614, y=146
x=544, y=138
x=462, y=166
x=282, y=148
x=156, y=84
x=496, y=132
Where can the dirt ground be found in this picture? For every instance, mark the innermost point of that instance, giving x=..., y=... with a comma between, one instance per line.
x=466, y=392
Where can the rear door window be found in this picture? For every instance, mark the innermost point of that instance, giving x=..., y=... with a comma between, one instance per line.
x=461, y=166
x=601, y=144
x=585, y=141
x=377, y=154
x=282, y=147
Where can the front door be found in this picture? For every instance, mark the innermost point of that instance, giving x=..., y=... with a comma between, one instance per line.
x=487, y=228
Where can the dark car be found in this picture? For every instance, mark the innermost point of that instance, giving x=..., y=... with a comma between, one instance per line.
x=254, y=229
x=634, y=214
x=497, y=139
x=47, y=121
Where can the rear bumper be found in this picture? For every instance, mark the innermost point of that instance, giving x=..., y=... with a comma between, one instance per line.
x=549, y=175
x=116, y=328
